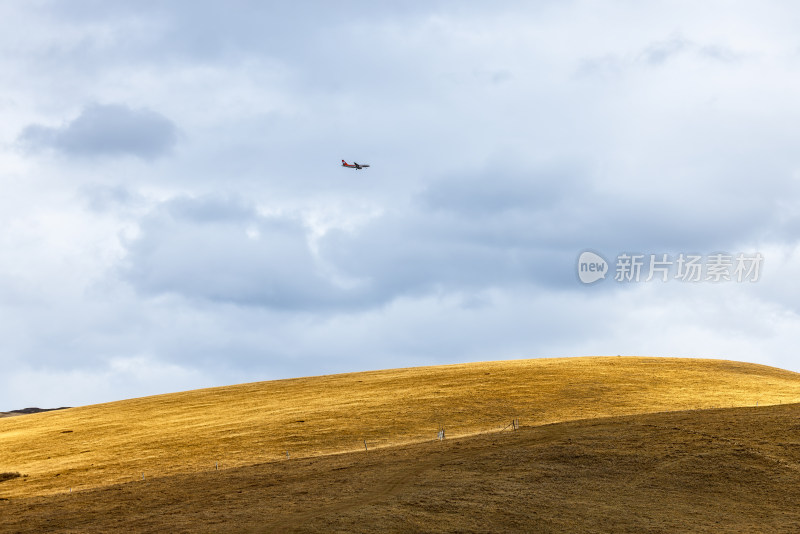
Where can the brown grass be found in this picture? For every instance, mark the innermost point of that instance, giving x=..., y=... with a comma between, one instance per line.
x=723, y=470
x=241, y=425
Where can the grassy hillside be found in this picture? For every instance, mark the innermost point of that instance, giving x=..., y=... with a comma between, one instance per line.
x=251, y=423
x=723, y=470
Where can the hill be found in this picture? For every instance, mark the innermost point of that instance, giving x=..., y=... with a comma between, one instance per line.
x=27, y=411
x=196, y=431
x=721, y=470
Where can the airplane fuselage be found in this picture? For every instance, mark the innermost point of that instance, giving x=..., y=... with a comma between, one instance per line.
x=353, y=166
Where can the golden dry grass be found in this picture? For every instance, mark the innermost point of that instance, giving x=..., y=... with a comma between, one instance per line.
x=246, y=424
x=723, y=470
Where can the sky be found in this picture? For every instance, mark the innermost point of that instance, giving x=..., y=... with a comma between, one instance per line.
x=174, y=214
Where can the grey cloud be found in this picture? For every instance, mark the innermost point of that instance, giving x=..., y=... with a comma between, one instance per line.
x=658, y=53
x=489, y=230
x=422, y=256
x=720, y=53
x=502, y=230
x=496, y=190
x=655, y=54
x=223, y=250
x=210, y=32
x=110, y=199
x=107, y=130
x=608, y=65
x=212, y=209
x=567, y=206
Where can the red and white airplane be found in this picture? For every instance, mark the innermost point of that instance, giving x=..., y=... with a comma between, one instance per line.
x=353, y=166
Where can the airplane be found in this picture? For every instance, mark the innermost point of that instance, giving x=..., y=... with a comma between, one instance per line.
x=353, y=166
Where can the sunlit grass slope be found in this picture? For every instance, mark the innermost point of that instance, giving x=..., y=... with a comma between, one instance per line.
x=250, y=423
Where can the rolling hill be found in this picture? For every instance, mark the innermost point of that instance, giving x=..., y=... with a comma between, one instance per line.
x=200, y=431
x=720, y=470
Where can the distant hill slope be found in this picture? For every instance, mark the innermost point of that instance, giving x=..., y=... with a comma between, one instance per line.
x=250, y=423
x=27, y=411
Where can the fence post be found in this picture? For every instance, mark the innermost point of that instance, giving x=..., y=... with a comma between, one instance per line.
x=365, y=446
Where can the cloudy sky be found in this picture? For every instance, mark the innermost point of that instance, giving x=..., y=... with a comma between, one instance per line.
x=174, y=214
